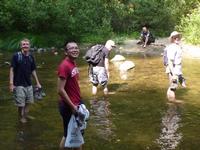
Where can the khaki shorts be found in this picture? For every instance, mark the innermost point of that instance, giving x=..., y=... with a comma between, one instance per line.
x=23, y=95
x=98, y=76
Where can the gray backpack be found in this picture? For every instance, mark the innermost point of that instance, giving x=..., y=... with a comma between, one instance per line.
x=94, y=54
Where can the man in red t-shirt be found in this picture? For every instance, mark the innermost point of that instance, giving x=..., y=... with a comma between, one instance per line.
x=68, y=87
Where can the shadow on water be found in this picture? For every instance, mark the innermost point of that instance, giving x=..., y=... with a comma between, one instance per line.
x=118, y=87
x=100, y=114
x=29, y=132
x=170, y=135
x=4, y=96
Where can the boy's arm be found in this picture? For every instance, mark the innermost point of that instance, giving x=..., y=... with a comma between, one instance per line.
x=36, y=79
x=171, y=67
x=107, y=66
x=146, y=40
x=11, y=76
x=61, y=91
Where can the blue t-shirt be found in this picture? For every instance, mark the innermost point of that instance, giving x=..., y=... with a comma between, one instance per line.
x=23, y=66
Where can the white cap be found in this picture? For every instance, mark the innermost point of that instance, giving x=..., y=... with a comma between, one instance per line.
x=111, y=43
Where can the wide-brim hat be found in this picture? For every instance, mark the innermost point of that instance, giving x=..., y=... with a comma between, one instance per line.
x=175, y=34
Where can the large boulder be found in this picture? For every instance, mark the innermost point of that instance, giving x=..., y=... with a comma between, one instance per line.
x=126, y=65
x=117, y=58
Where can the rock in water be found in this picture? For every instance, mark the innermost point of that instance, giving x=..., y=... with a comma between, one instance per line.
x=126, y=65
x=118, y=58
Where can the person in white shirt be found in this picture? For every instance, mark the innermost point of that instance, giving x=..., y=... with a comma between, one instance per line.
x=174, y=66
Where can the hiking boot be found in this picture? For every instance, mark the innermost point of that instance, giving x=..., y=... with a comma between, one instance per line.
x=37, y=96
x=42, y=92
x=38, y=93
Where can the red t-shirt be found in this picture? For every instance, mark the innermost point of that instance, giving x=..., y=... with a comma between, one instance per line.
x=68, y=70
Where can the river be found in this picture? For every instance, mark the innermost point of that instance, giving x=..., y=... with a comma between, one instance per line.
x=135, y=116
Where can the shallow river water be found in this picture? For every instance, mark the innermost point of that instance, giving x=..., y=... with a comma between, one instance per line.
x=134, y=116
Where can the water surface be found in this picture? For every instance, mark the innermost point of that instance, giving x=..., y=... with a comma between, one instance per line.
x=135, y=116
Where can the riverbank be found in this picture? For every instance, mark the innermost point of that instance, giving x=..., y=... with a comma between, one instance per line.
x=130, y=47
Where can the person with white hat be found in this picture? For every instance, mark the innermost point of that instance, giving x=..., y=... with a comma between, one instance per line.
x=99, y=73
x=174, y=64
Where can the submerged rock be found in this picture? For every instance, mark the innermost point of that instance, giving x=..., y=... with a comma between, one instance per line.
x=117, y=58
x=126, y=65
x=40, y=50
x=122, y=65
x=7, y=63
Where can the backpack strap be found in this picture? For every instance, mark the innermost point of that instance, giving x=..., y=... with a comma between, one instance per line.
x=30, y=57
x=20, y=57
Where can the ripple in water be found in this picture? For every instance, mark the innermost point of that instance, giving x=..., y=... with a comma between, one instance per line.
x=100, y=118
x=169, y=136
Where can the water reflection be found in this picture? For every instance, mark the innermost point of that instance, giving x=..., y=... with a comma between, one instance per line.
x=4, y=95
x=20, y=136
x=124, y=69
x=170, y=136
x=100, y=117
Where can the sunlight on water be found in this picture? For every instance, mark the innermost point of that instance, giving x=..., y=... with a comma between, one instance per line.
x=133, y=117
x=170, y=137
x=100, y=114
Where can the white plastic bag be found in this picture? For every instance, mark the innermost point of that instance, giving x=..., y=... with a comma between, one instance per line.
x=82, y=108
x=74, y=136
x=83, y=120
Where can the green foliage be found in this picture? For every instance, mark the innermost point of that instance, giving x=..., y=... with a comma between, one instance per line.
x=121, y=37
x=122, y=15
x=88, y=21
x=10, y=41
x=89, y=17
x=189, y=26
x=73, y=18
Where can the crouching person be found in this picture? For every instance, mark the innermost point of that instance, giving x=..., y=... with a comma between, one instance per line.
x=68, y=88
x=146, y=37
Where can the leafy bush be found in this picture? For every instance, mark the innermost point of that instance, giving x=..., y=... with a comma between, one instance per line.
x=50, y=22
x=10, y=41
x=189, y=26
